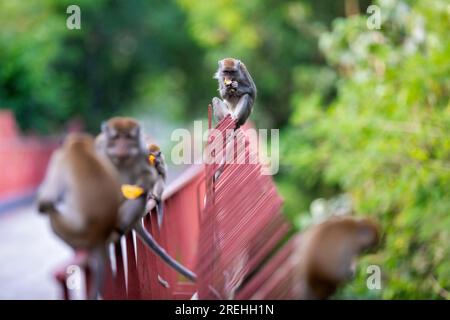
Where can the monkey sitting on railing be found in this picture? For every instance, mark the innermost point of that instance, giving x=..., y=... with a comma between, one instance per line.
x=80, y=194
x=122, y=141
x=236, y=88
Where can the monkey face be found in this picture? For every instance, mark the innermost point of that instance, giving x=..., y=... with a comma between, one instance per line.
x=229, y=75
x=122, y=147
x=228, y=69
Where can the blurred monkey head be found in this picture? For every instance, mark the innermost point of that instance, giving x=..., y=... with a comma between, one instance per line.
x=124, y=140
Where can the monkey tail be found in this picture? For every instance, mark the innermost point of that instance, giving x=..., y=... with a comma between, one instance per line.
x=160, y=212
x=153, y=245
x=97, y=263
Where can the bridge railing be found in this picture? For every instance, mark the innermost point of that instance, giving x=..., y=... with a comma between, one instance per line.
x=23, y=160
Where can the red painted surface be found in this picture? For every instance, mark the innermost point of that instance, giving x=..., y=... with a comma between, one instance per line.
x=23, y=159
x=242, y=221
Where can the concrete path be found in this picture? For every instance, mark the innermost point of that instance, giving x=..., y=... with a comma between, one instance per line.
x=29, y=254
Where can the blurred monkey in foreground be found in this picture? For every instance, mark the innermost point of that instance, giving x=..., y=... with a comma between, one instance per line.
x=122, y=141
x=326, y=255
x=236, y=88
x=156, y=160
x=80, y=193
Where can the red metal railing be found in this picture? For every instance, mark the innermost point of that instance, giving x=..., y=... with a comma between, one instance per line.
x=242, y=221
x=23, y=159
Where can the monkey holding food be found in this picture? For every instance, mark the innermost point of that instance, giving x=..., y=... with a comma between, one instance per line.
x=123, y=142
x=237, y=90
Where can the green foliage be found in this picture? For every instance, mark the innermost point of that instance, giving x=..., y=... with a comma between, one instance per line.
x=384, y=140
x=29, y=40
x=123, y=49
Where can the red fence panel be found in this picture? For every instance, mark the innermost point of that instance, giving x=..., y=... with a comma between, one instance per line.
x=242, y=207
x=23, y=159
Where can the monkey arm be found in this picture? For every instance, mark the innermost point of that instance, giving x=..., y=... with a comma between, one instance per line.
x=53, y=185
x=161, y=167
x=158, y=187
x=156, y=194
x=147, y=238
x=243, y=109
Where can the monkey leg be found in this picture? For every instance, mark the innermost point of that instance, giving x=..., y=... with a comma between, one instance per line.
x=147, y=238
x=243, y=110
x=130, y=212
x=156, y=195
x=160, y=212
x=220, y=109
x=68, y=228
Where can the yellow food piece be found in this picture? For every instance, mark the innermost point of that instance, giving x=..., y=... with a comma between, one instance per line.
x=227, y=81
x=131, y=192
x=151, y=159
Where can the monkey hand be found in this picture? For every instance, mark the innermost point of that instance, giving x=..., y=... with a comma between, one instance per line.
x=234, y=84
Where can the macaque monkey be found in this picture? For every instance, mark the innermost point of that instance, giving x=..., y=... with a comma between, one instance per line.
x=237, y=90
x=81, y=195
x=326, y=255
x=122, y=141
x=156, y=160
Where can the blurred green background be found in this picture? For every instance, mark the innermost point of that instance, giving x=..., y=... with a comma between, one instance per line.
x=362, y=113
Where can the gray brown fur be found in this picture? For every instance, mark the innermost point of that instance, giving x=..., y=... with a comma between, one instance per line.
x=239, y=95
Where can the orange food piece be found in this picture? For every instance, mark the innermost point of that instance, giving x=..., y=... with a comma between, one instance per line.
x=151, y=159
x=131, y=192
